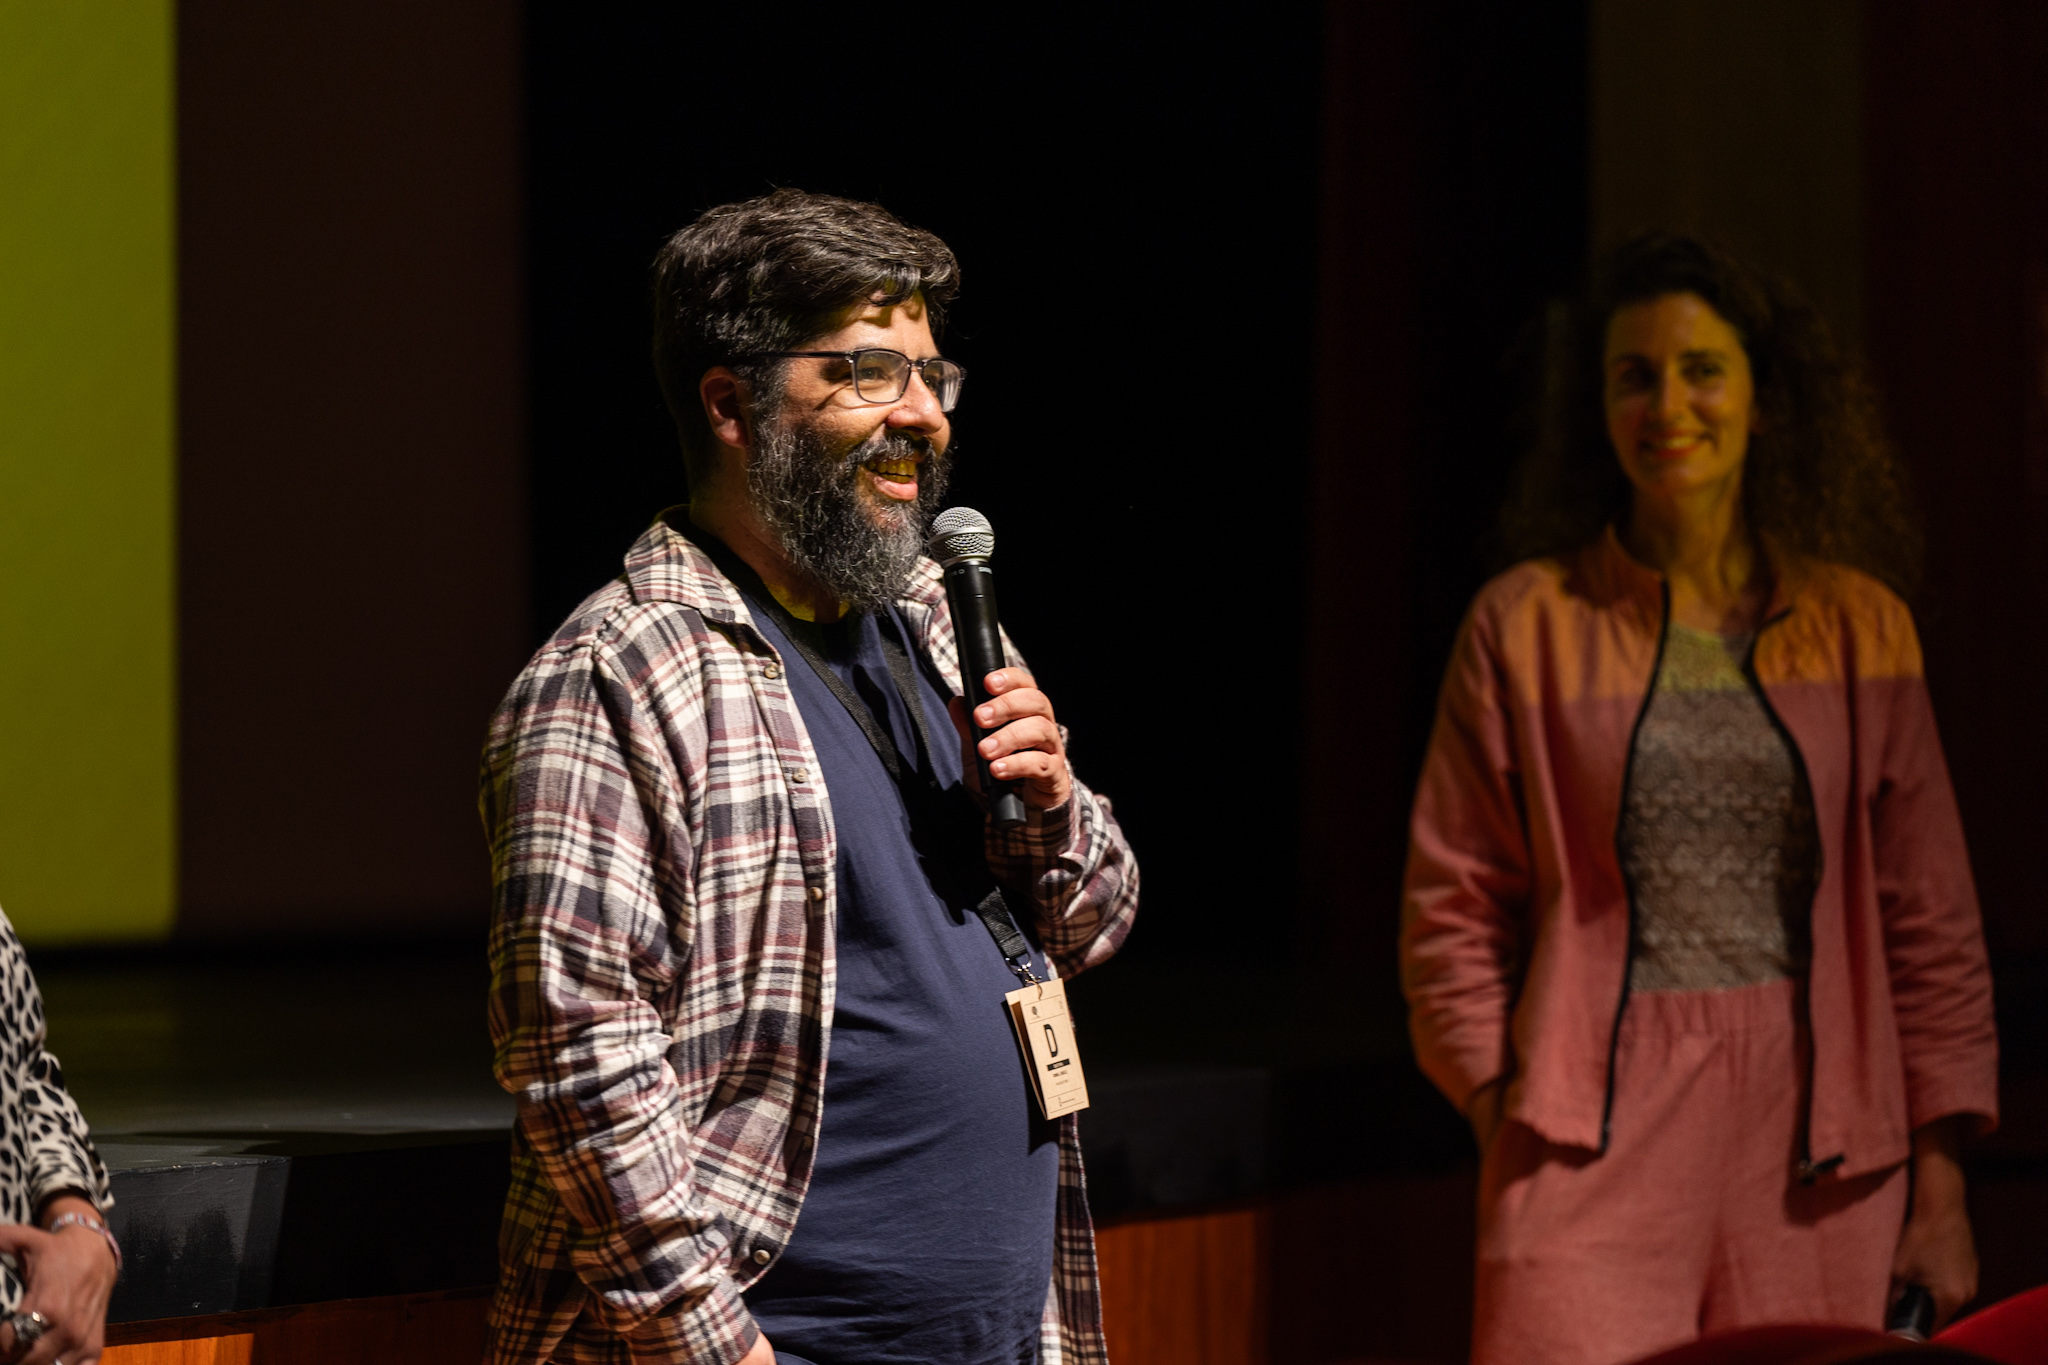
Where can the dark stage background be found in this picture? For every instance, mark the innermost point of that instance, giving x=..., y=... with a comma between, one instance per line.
x=1241, y=296
x=1279, y=260
x=1148, y=423
x=1133, y=204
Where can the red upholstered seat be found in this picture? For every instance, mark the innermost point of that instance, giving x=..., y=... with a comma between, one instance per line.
x=2012, y=1331
x=1802, y=1345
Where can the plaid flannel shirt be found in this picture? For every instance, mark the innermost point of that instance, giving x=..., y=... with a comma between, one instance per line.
x=663, y=968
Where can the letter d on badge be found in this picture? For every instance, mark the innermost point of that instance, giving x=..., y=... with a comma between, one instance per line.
x=1045, y=1033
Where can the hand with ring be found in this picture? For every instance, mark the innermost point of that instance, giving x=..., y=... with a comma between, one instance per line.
x=28, y=1328
x=68, y=1277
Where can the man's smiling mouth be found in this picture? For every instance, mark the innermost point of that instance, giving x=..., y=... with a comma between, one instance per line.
x=895, y=476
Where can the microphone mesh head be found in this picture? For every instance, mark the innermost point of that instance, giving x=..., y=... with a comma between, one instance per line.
x=961, y=533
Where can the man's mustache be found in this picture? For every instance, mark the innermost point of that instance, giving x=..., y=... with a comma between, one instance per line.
x=895, y=444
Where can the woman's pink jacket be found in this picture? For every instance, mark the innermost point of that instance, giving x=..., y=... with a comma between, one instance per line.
x=1515, y=924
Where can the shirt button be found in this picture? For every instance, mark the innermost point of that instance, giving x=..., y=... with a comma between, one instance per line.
x=762, y=1255
x=771, y=669
x=799, y=774
x=817, y=893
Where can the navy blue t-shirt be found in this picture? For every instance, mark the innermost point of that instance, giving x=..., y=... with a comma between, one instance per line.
x=927, y=1234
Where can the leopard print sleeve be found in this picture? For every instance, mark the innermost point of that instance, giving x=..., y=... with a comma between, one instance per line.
x=45, y=1147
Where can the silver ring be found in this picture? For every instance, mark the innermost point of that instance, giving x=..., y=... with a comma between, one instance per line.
x=28, y=1327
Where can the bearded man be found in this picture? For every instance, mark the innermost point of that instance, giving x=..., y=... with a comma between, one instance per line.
x=731, y=838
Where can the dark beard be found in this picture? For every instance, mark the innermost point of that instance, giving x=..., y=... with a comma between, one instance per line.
x=861, y=549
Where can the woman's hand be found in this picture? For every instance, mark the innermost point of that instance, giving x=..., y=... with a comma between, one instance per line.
x=1935, y=1249
x=1025, y=745
x=760, y=1353
x=69, y=1276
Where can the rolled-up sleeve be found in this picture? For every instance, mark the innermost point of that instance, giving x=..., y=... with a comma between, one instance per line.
x=1076, y=870
x=593, y=914
x=1073, y=866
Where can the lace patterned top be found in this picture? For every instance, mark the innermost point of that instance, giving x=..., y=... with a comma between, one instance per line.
x=1717, y=832
x=44, y=1146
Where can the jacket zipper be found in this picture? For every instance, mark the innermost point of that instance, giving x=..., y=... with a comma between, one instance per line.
x=1628, y=773
x=1808, y=1169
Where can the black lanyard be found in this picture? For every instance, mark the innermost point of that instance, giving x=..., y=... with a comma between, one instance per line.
x=807, y=637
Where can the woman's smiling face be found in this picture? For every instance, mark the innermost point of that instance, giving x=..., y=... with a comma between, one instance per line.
x=1681, y=401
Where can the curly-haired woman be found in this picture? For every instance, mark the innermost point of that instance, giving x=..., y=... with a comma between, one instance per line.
x=1689, y=932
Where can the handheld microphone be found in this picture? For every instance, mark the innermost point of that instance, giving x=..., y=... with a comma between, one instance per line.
x=1912, y=1317
x=962, y=541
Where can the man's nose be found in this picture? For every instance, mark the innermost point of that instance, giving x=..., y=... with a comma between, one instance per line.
x=918, y=409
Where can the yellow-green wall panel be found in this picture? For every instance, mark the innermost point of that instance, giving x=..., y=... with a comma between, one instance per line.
x=88, y=838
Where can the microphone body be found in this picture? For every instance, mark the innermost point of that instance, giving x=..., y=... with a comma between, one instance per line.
x=1912, y=1317
x=962, y=547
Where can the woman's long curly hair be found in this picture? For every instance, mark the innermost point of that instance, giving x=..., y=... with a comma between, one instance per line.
x=1819, y=481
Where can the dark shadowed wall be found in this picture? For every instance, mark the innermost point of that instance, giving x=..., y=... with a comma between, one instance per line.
x=1243, y=500
x=1763, y=147
x=352, y=530
x=1133, y=204
x=1957, y=123
x=1453, y=207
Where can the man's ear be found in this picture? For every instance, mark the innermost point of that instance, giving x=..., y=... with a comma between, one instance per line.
x=725, y=407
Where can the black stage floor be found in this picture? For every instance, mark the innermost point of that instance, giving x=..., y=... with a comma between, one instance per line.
x=294, y=1126
x=301, y=1125
x=285, y=1127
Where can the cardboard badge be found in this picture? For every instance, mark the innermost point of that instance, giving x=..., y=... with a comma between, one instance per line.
x=1045, y=1032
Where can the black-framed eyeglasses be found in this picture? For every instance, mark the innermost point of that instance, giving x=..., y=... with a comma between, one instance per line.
x=882, y=376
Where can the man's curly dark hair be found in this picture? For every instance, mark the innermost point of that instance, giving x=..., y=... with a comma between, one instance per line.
x=1819, y=481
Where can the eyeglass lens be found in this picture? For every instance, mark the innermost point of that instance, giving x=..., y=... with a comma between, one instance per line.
x=884, y=377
